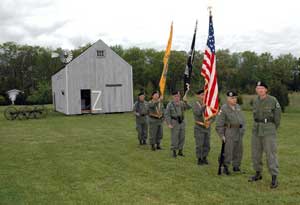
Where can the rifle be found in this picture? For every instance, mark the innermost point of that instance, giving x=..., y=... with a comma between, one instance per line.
x=221, y=158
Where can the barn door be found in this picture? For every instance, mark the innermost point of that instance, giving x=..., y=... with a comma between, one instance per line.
x=96, y=99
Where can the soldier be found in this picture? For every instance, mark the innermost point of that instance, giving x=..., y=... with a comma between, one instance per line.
x=201, y=130
x=266, y=115
x=140, y=111
x=230, y=126
x=156, y=111
x=175, y=120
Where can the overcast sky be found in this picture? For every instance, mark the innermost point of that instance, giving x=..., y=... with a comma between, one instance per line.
x=256, y=25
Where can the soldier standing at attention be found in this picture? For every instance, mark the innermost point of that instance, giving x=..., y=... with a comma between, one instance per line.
x=201, y=130
x=156, y=111
x=175, y=120
x=230, y=126
x=266, y=115
x=141, y=111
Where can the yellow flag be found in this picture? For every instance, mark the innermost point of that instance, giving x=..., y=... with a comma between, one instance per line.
x=163, y=78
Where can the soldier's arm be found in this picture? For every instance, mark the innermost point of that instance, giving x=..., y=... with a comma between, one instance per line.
x=186, y=105
x=168, y=115
x=135, y=109
x=277, y=114
x=196, y=109
x=220, y=122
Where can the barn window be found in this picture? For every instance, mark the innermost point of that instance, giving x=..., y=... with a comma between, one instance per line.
x=100, y=53
x=113, y=85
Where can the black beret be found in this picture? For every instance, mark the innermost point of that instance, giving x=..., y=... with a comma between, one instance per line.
x=261, y=83
x=141, y=93
x=154, y=92
x=200, y=92
x=231, y=93
x=175, y=92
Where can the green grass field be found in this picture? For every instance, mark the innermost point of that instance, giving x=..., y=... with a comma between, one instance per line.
x=95, y=159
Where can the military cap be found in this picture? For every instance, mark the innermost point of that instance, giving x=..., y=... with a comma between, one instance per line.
x=231, y=93
x=175, y=92
x=261, y=83
x=141, y=93
x=200, y=92
x=154, y=92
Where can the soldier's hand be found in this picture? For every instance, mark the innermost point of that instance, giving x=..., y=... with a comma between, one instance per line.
x=223, y=139
x=161, y=98
x=170, y=126
x=207, y=124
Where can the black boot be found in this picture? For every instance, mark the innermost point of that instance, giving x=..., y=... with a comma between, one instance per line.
x=225, y=170
x=153, y=147
x=174, y=154
x=236, y=169
x=256, y=177
x=205, y=160
x=180, y=153
x=141, y=142
x=158, y=146
x=200, y=161
x=274, y=182
x=144, y=142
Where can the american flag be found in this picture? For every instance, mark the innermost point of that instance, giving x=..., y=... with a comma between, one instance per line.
x=209, y=73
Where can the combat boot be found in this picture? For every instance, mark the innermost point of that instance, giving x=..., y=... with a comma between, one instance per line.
x=236, y=169
x=200, y=161
x=205, y=160
x=225, y=170
x=180, y=153
x=158, y=146
x=144, y=142
x=256, y=177
x=174, y=154
x=274, y=182
x=153, y=147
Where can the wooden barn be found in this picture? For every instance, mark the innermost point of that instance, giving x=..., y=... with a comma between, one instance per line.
x=97, y=81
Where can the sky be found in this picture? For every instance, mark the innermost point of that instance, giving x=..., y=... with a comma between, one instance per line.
x=256, y=25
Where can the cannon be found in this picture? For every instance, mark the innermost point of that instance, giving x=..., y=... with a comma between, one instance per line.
x=25, y=112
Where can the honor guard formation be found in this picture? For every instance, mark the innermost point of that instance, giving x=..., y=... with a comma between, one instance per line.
x=230, y=126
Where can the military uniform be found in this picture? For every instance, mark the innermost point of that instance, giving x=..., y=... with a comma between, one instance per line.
x=230, y=124
x=141, y=111
x=201, y=134
x=156, y=111
x=174, y=116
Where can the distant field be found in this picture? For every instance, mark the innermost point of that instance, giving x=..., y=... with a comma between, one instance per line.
x=95, y=159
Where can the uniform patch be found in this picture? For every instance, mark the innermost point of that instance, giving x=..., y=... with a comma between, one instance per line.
x=277, y=105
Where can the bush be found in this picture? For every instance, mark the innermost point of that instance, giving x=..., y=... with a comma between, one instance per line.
x=42, y=95
x=280, y=91
x=2, y=100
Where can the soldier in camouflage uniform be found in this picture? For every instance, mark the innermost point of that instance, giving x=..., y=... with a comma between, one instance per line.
x=201, y=130
x=266, y=115
x=156, y=111
x=174, y=116
x=230, y=126
x=141, y=111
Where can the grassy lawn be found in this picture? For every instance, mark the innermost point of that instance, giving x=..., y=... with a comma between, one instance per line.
x=95, y=159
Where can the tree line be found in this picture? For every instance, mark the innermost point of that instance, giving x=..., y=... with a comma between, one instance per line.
x=29, y=68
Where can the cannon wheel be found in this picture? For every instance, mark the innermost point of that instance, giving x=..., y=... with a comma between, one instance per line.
x=10, y=113
x=45, y=111
x=24, y=113
x=37, y=111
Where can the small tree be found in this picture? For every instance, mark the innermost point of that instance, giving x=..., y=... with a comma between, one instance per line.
x=280, y=91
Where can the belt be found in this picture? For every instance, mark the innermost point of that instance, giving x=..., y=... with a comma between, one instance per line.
x=233, y=125
x=264, y=120
x=200, y=123
x=155, y=117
